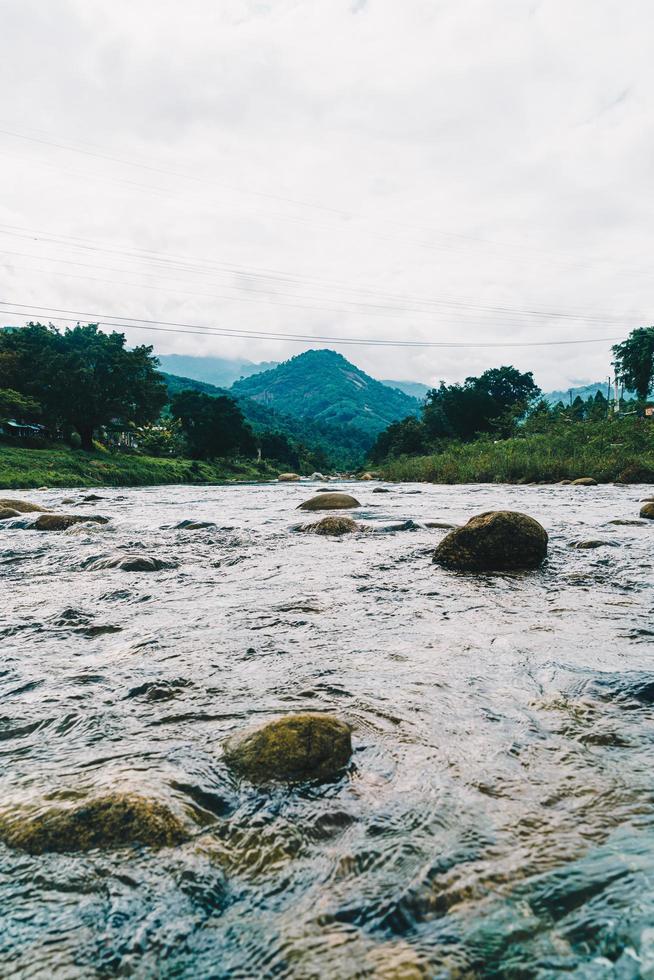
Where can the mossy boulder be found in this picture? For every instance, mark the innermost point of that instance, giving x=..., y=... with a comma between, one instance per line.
x=60, y=522
x=302, y=746
x=565, y=483
x=331, y=526
x=288, y=477
x=22, y=506
x=7, y=512
x=584, y=481
x=330, y=501
x=112, y=821
x=647, y=510
x=500, y=540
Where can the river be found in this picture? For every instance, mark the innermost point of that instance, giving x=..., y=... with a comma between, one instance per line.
x=497, y=819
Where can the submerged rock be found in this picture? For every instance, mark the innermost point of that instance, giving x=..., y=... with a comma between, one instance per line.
x=584, y=481
x=189, y=525
x=304, y=746
x=628, y=523
x=330, y=501
x=381, y=490
x=59, y=522
x=591, y=543
x=331, y=525
x=109, y=821
x=130, y=563
x=647, y=510
x=499, y=540
x=288, y=477
x=23, y=506
x=7, y=512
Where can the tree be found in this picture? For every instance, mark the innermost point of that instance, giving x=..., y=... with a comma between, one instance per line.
x=633, y=361
x=82, y=377
x=22, y=408
x=277, y=446
x=213, y=427
x=492, y=402
x=408, y=437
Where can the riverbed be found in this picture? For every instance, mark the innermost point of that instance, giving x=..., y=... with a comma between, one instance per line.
x=497, y=819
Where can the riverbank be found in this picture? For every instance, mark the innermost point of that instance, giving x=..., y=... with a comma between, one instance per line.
x=24, y=468
x=608, y=452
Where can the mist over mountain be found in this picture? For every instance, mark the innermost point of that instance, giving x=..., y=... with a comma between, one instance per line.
x=219, y=371
x=415, y=389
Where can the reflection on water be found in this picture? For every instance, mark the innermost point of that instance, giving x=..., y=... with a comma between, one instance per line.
x=498, y=817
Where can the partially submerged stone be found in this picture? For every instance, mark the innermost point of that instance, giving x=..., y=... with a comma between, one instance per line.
x=591, y=543
x=59, y=522
x=584, y=481
x=500, y=540
x=7, y=512
x=381, y=490
x=23, y=506
x=330, y=501
x=111, y=821
x=130, y=563
x=302, y=746
x=647, y=510
x=189, y=525
x=288, y=477
x=331, y=525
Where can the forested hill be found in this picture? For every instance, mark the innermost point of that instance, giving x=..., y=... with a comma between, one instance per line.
x=345, y=446
x=321, y=385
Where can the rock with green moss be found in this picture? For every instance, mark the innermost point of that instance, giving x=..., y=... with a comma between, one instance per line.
x=7, y=512
x=112, y=821
x=296, y=747
x=333, y=526
x=23, y=506
x=647, y=510
x=330, y=501
x=500, y=540
x=288, y=477
x=584, y=481
x=60, y=522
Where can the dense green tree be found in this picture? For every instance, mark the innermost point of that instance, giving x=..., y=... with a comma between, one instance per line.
x=633, y=361
x=82, y=377
x=277, y=446
x=213, y=427
x=408, y=437
x=14, y=405
x=492, y=402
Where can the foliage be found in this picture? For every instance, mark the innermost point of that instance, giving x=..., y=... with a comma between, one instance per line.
x=19, y=407
x=212, y=427
x=612, y=449
x=163, y=438
x=493, y=402
x=408, y=437
x=21, y=468
x=81, y=376
x=633, y=360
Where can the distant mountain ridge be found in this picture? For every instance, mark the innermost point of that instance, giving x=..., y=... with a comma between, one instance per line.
x=219, y=371
x=323, y=386
x=415, y=389
x=584, y=391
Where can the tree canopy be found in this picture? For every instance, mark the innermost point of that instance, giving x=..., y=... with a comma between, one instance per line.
x=212, y=427
x=81, y=377
x=492, y=402
x=633, y=361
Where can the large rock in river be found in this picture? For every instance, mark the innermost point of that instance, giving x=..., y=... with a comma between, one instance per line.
x=130, y=563
x=108, y=821
x=304, y=746
x=23, y=506
x=7, y=512
x=584, y=481
x=288, y=477
x=647, y=510
x=331, y=526
x=330, y=501
x=494, y=541
x=59, y=522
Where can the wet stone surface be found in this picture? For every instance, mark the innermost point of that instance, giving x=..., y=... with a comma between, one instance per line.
x=496, y=817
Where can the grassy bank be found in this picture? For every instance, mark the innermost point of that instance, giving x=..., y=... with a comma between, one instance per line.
x=22, y=468
x=607, y=451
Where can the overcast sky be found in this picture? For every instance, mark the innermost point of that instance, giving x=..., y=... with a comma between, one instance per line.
x=423, y=170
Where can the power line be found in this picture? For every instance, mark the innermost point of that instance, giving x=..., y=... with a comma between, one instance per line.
x=192, y=328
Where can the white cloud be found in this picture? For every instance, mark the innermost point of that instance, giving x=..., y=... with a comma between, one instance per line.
x=486, y=155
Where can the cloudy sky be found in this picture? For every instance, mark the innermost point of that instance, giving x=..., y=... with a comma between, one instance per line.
x=469, y=172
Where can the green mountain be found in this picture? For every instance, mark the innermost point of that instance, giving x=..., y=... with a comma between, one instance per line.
x=220, y=371
x=345, y=446
x=322, y=386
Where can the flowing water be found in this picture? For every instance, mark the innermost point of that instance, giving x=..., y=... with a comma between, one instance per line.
x=497, y=819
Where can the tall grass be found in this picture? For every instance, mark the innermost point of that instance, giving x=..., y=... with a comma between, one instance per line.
x=607, y=451
x=22, y=468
